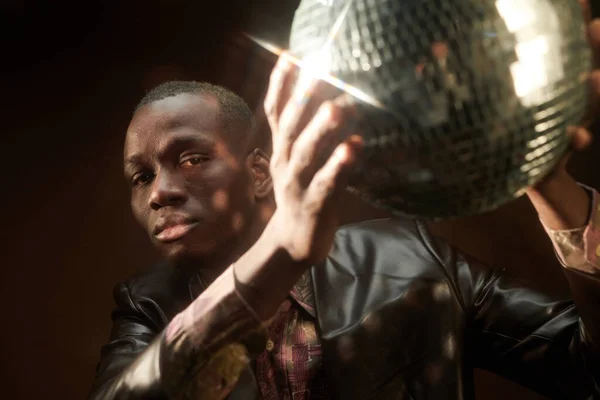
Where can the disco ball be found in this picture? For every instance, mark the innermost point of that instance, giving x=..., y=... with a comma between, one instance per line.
x=463, y=103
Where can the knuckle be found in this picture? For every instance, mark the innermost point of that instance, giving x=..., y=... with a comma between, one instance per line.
x=304, y=161
x=330, y=113
x=301, y=153
x=289, y=183
x=273, y=124
x=269, y=107
x=276, y=161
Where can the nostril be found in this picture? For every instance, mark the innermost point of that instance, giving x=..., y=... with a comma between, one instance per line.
x=155, y=206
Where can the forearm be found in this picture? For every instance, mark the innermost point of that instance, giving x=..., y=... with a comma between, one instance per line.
x=570, y=214
x=198, y=355
x=210, y=342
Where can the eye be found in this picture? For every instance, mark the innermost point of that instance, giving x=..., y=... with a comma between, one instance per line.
x=142, y=178
x=192, y=160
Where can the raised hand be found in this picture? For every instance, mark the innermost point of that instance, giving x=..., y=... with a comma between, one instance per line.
x=314, y=150
x=313, y=153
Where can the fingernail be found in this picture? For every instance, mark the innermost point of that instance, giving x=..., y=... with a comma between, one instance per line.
x=329, y=113
x=357, y=141
x=342, y=152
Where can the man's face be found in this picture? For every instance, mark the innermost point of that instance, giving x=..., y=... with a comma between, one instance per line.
x=189, y=189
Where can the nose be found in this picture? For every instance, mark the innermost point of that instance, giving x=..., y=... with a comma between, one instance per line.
x=167, y=190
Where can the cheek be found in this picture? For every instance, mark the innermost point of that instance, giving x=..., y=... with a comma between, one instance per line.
x=139, y=211
x=200, y=186
x=221, y=200
x=240, y=190
x=220, y=187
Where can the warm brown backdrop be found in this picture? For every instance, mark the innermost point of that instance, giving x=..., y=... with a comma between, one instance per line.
x=72, y=72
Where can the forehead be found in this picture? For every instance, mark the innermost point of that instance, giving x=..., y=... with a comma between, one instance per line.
x=157, y=123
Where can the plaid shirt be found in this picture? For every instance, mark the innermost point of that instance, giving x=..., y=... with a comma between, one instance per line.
x=290, y=366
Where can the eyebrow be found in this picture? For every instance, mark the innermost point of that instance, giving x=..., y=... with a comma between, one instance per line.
x=132, y=164
x=186, y=140
x=133, y=161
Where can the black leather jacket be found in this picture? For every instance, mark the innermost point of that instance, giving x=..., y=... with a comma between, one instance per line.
x=402, y=316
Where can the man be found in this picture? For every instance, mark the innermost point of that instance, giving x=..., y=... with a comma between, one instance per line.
x=280, y=302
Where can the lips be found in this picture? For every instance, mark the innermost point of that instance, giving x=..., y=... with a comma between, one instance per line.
x=172, y=228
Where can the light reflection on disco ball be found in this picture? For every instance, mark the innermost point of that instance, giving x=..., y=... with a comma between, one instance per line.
x=475, y=95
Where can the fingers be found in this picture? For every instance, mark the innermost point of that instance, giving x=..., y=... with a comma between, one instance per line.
x=593, y=99
x=304, y=169
x=586, y=10
x=594, y=82
x=280, y=84
x=291, y=101
x=314, y=146
x=593, y=30
x=334, y=175
x=581, y=138
x=593, y=33
x=296, y=114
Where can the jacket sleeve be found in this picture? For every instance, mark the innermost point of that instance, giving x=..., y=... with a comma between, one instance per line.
x=133, y=350
x=200, y=354
x=547, y=344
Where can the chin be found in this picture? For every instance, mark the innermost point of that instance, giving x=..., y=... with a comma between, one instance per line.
x=180, y=251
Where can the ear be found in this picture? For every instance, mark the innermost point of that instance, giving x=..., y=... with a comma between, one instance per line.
x=259, y=165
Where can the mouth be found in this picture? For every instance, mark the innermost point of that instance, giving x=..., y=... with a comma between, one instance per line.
x=171, y=231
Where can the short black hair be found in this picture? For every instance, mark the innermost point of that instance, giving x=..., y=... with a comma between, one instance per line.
x=236, y=117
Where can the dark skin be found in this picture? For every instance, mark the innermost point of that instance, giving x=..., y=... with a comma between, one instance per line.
x=184, y=168
x=216, y=194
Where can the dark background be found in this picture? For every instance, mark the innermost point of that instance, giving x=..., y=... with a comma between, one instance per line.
x=71, y=74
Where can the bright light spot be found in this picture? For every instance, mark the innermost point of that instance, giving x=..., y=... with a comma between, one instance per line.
x=318, y=64
x=516, y=13
x=538, y=46
x=450, y=346
x=529, y=73
x=220, y=200
x=441, y=292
